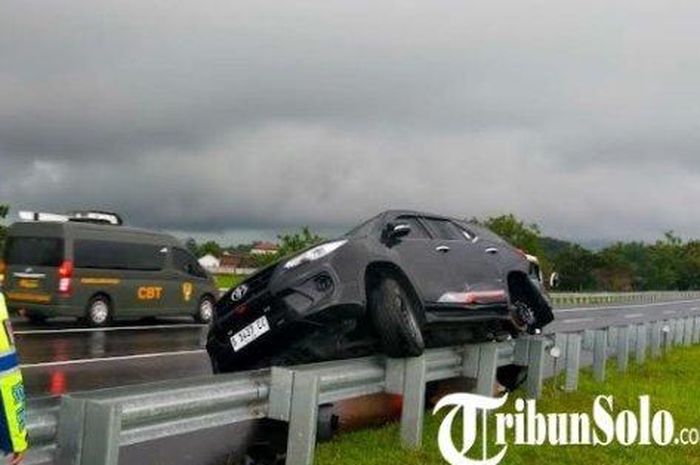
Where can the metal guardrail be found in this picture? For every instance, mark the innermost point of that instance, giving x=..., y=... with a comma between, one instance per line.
x=564, y=299
x=90, y=428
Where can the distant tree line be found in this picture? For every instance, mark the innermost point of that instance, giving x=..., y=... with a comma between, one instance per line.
x=667, y=264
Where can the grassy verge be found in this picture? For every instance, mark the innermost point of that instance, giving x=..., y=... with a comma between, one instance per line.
x=673, y=383
x=228, y=280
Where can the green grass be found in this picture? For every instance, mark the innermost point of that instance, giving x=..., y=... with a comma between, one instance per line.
x=228, y=280
x=673, y=383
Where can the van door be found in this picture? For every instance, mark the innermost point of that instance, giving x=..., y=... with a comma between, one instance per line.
x=32, y=268
x=417, y=255
x=185, y=286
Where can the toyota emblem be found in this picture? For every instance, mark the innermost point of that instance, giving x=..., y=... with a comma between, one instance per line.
x=239, y=292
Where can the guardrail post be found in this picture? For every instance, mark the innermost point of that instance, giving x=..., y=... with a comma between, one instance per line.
x=486, y=373
x=612, y=337
x=696, y=335
x=679, y=329
x=71, y=427
x=588, y=340
x=102, y=428
x=622, y=348
x=669, y=325
x=535, y=367
x=573, y=361
x=656, y=339
x=88, y=432
x=280, y=398
x=640, y=352
x=413, y=407
x=301, y=441
x=561, y=340
x=600, y=354
x=688, y=336
x=470, y=361
x=667, y=330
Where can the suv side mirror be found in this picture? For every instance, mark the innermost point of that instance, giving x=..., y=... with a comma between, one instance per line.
x=554, y=280
x=394, y=231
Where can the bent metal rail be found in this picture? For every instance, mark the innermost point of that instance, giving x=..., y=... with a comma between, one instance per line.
x=90, y=428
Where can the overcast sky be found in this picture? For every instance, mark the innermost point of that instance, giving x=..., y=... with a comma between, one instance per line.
x=226, y=117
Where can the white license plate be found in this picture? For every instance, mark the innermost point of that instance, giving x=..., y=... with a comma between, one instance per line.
x=250, y=333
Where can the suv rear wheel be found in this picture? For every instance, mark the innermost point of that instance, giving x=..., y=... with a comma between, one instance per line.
x=99, y=311
x=394, y=315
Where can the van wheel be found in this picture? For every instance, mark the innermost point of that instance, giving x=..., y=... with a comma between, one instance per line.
x=395, y=321
x=99, y=311
x=205, y=310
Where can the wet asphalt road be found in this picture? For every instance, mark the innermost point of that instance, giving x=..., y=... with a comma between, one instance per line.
x=61, y=357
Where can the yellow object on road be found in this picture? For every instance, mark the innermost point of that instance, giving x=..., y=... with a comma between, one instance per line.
x=13, y=428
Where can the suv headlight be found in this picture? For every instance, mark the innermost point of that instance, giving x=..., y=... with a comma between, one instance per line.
x=317, y=252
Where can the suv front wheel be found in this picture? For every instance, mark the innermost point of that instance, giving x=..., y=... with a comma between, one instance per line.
x=395, y=321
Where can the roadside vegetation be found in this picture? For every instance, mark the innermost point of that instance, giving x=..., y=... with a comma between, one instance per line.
x=670, y=263
x=671, y=382
x=227, y=281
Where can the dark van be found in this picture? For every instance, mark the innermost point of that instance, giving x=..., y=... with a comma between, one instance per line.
x=100, y=271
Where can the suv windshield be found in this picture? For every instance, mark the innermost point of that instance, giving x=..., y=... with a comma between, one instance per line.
x=34, y=251
x=363, y=228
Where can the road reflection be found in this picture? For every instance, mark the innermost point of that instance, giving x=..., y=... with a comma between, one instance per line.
x=57, y=359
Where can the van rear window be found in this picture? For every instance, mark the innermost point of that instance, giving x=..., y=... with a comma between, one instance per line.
x=34, y=251
x=118, y=255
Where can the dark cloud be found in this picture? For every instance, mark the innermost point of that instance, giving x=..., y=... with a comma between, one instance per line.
x=222, y=115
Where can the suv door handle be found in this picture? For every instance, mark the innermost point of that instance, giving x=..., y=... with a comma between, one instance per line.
x=491, y=250
x=442, y=248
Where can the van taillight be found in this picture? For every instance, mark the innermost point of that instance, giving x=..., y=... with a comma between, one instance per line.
x=65, y=275
x=3, y=267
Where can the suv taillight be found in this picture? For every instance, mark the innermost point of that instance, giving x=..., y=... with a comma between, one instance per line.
x=3, y=267
x=65, y=276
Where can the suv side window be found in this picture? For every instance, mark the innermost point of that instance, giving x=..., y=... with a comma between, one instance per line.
x=445, y=229
x=185, y=262
x=418, y=231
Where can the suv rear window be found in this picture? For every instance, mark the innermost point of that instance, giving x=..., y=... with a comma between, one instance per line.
x=34, y=251
x=118, y=255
